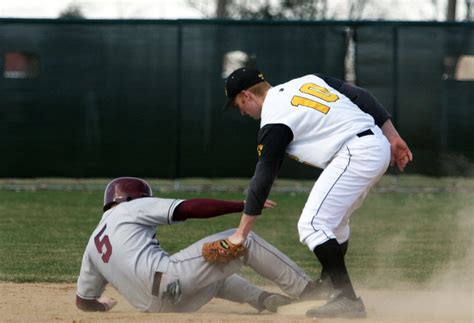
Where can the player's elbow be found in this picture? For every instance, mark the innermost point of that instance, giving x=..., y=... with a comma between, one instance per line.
x=80, y=304
x=87, y=305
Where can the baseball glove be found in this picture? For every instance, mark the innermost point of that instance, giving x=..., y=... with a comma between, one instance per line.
x=222, y=251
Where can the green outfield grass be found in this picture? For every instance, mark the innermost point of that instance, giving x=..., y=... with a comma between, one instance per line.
x=410, y=231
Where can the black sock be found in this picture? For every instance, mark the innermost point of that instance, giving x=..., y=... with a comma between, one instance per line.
x=331, y=256
x=344, y=247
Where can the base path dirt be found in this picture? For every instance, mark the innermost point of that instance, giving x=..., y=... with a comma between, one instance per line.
x=55, y=303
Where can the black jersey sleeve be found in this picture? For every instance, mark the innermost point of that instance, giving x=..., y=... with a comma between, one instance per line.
x=360, y=97
x=272, y=142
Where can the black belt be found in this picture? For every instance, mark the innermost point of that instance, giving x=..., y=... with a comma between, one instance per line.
x=365, y=133
x=155, y=289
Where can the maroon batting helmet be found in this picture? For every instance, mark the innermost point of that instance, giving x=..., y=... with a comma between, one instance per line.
x=124, y=189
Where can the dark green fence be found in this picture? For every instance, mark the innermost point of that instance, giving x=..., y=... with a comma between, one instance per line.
x=143, y=98
x=411, y=68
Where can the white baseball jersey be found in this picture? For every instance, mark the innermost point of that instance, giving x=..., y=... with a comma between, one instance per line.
x=321, y=118
x=123, y=251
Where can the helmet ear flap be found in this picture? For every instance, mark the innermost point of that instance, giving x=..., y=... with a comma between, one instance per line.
x=125, y=189
x=108, y=206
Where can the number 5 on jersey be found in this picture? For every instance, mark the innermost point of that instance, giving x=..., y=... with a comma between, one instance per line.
x=100, y=243
x=317, y=92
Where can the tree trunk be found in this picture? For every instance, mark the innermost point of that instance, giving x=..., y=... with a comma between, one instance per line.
x=451, y=15
x=221, y=8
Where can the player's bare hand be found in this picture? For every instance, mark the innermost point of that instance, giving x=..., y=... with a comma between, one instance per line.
x=108, y=302
x=400, y=153
x=269, y=204
x=236, y=239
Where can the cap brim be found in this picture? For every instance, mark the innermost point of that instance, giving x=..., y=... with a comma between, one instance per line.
x=228, y=104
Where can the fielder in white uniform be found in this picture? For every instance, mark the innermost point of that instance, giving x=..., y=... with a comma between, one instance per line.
x=326, y=123
x=123, y=251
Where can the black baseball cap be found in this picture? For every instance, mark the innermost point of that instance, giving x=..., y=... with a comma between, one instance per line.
x=239, y=80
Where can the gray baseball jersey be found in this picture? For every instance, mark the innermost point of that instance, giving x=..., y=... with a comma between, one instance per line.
x=123, y=250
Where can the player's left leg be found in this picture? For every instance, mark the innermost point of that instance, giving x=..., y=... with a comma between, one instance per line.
x=324, y=224
x=274, y=265
x=237, y=289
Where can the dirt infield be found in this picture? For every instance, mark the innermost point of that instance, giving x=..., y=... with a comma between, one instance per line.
x=55, y=303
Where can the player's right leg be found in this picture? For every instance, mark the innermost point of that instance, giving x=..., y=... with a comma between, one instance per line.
x=274, y=265
x=237, y=289
x=195, y=274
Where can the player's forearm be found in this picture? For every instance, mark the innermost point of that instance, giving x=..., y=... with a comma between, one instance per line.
x=205, y=208
x=400, y=153
x=260, y=186
x=245, y=226
x=102, y=304
x=389, y=130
